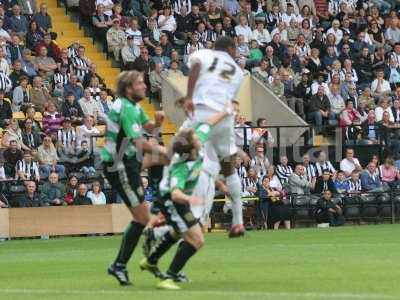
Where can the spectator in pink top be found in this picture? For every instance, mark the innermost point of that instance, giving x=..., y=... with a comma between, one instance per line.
x=52, y=120
x=389, y=173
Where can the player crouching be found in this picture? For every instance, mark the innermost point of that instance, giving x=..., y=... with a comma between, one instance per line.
x=176, y=188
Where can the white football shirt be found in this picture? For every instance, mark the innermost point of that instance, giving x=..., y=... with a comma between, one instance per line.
x=219, y=79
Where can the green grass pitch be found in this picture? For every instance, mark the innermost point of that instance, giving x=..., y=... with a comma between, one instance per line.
x=340, y=263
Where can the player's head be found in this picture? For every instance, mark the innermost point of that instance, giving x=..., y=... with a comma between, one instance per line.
x=130, y=84
x=226, y=44
x=186, y=143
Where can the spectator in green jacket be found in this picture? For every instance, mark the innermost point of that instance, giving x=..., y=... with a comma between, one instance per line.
x=53, y=191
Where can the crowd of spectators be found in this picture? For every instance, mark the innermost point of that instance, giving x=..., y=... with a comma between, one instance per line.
x=335, y=62
x=52, y=107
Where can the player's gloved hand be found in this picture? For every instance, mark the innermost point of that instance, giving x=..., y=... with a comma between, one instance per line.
x=194, y=200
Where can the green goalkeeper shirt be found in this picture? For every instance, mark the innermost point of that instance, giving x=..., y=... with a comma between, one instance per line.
x=183, y=174
x=124, y=121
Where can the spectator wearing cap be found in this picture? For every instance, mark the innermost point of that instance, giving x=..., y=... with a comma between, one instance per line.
x=30, y=138
x=116, y=39
x=129, y=53
x=5, y=111
x=48, y=158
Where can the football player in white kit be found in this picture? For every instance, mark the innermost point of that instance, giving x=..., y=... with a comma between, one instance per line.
x=213, y=83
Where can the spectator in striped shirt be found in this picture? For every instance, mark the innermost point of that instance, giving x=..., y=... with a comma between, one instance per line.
x=249, y=183
x=52, y=120
x=355, y=186
x=283, y=170
x=81, y=64
x=66, y=139
x=26, y=169
x=323, y=165
x=309, y=170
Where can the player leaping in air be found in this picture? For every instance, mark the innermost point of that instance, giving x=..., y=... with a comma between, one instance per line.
x=214, y=80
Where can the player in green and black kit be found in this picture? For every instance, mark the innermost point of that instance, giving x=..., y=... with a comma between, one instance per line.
x=176, y=188
x=122, y=155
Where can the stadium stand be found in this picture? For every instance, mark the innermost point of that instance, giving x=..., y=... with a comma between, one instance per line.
x=319, y=73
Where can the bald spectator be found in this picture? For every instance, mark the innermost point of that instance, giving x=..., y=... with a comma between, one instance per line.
x=43, y=19
x=53, y=192
x=44, y=62
x=31, y=197
x=17, y=23
x=39, y=94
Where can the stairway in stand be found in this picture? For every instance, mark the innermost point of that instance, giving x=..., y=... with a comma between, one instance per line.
x=68, y=32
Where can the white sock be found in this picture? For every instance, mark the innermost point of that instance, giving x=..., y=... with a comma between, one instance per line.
x=234, y=187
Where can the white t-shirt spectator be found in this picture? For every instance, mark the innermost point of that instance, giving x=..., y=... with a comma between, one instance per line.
x=167, y=24
x=379, y=113
x=97, y=199
x=84, y=134
x=337, y=33
x=136, y=34
x=385, y=86
x=348, y=166
x=262, y=37
x=245, y=31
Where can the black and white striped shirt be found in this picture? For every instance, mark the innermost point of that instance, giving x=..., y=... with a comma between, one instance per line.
x=72, y=52
x=30, y=170
x=177, y=5
x=284, y=173
x=80, y=62
x=310, y=172
x=324, y=166
x=248, y=183
x=355, y=186
x=5, y=82
x=67, y=138
x=241, y=171
x=59, y=78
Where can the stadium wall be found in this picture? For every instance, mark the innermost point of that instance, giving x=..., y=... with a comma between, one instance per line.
x=64, y=220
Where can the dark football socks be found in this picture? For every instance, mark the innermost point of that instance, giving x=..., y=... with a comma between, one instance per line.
x=129, y=241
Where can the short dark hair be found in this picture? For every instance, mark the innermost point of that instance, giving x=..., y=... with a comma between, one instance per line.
x=224, y=43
